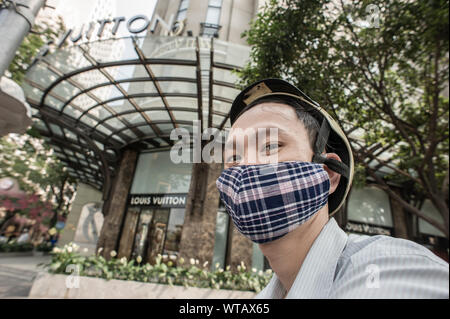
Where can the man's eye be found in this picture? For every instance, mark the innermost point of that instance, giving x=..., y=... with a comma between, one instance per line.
x=234, y=159
x=271, y=147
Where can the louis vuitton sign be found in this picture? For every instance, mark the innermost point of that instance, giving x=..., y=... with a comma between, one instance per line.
x=135, y=25
x=158, y=200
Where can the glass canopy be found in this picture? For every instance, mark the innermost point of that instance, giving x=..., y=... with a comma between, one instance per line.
x=91, y=100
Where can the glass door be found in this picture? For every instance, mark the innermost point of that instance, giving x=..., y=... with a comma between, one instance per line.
x=141, y=241
x=157, y=233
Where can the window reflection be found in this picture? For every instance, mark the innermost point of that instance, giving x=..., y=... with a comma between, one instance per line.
x=369, y=205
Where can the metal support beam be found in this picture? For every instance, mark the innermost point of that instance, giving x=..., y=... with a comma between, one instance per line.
x=152, y=76
x=199, y=85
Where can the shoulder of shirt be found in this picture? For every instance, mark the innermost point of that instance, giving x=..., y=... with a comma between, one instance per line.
x=363, y=248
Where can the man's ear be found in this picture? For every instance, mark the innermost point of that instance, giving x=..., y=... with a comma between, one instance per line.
x=334, y=177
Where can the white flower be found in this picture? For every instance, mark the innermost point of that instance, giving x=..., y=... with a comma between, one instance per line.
x=138, y=259
x=192, y=261
x=173, y=257
x=181, y=260
x=56, y=250
x=197, y=261
x=99, y=250
x=69, y=249
x=253, y=269
x=217, y=265
x=269, y=271
x=123, y=260
x=205, y=264
x=113, y=253
x=85, y=250
x=243, y=265
x=260, y=273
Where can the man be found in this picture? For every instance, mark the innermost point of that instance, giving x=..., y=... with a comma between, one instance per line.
x=286, y=202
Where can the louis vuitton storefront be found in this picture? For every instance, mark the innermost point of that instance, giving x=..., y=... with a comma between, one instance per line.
x=155, y=210
x=107, y=105
x=108, y=109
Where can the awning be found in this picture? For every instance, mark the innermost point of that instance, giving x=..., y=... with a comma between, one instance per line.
x=91, y=100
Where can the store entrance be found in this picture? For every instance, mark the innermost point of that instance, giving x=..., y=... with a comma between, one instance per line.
x=158, y=231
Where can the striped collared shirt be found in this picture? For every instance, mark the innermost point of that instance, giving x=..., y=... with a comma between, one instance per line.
x=351, y=266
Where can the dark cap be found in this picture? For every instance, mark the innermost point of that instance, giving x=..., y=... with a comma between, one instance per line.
x=264, y=88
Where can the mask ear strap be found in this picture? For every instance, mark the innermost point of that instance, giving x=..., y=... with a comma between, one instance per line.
x=319, y=147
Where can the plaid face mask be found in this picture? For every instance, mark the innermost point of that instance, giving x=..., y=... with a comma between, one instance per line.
x=268, y=201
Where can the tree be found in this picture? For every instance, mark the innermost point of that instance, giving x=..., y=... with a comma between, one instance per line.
x=379, y=68
x=43, y=33
x=26, y=157
x=29, y=205
x=32, y=163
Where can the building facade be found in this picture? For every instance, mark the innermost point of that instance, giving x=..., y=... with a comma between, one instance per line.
x=109, y=107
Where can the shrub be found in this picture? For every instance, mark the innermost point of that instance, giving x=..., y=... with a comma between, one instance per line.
x=44, y=247
x=161, y=273
x=15, y=247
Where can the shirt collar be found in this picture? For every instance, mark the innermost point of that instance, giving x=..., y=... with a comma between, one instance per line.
x=316, y=275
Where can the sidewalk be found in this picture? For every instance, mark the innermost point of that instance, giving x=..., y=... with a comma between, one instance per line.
x=17, y=275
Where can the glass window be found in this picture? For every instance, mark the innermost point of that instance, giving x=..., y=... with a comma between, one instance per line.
x=221, y=238
x=425, y=227
x=213, y=15
x=257, y=258
x=215, y=3
x=369, y=205
x=174, y=229
x=181, y=15
x=184, y=5
x=156, y=173
x=157, y=234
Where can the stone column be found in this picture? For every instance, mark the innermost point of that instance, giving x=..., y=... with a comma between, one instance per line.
x=197, y=238
x=128, y=233
x=240, y=249
x=399, y=219
x=115, y=209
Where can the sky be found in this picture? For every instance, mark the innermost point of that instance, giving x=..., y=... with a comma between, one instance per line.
x=77, y=12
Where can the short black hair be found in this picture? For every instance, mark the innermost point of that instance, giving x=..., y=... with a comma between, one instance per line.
x=310, y=123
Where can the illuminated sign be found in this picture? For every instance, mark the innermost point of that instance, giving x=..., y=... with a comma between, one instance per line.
x=367, y=229
x=136, y=24
x=158, y=200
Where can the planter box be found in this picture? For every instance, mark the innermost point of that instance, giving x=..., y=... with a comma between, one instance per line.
x=48, y=285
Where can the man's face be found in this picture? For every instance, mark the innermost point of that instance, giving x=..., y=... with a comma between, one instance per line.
x=291, y=143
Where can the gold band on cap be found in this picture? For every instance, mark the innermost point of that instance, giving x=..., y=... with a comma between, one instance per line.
x=256, y=91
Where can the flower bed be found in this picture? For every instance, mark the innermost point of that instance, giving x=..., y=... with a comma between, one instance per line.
x=68, y=260
x=44, y=247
